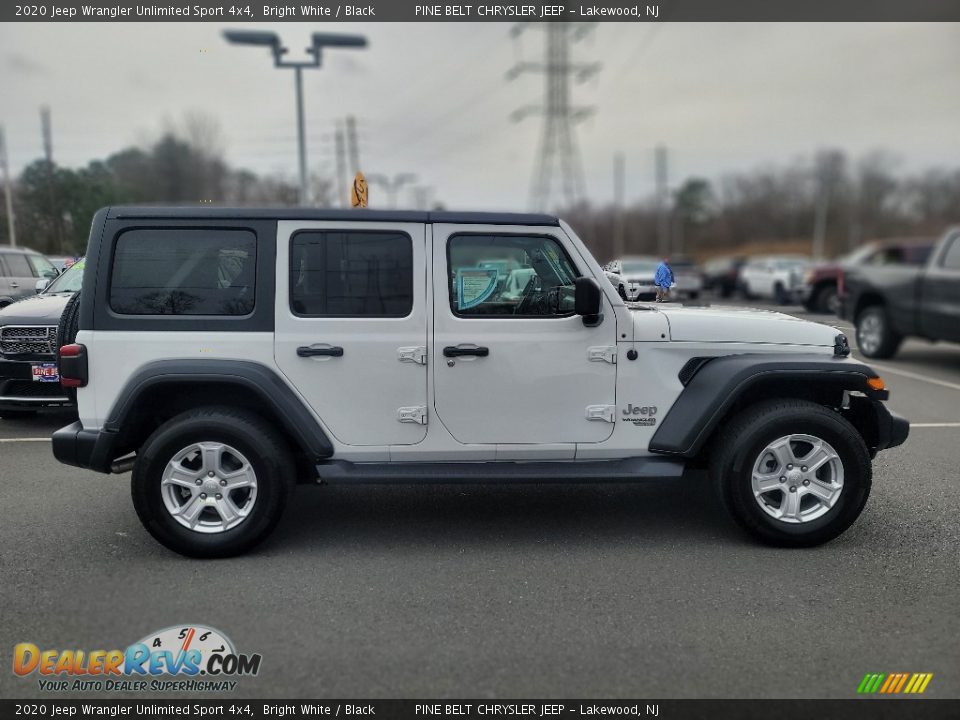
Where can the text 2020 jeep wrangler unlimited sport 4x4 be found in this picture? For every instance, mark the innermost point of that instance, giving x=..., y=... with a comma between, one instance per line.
x=223, y=354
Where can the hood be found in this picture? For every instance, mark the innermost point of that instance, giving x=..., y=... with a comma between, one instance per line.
x=35, y=310
x=744, y=325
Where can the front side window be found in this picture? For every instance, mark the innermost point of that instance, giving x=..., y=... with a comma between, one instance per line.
x=42, y=267
x=509, y=276
x=351, y=274
x=172, y=271
x=951, y=259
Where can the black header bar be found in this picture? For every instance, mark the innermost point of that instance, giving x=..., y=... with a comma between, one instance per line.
x=290, y=709
x=242, y=11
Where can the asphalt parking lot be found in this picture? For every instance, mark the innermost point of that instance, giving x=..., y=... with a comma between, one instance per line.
x=570, y=591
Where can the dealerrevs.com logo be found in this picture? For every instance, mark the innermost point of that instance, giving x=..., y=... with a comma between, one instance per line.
x=178, y=658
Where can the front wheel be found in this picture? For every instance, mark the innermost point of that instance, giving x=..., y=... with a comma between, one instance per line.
x=792, y=473
x=212, y=482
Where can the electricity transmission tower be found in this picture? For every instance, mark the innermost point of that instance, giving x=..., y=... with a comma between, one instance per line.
x=558, y=157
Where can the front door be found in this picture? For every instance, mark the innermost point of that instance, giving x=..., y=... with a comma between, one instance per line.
x=512, y=362
x=351, y=326
x=940, y=293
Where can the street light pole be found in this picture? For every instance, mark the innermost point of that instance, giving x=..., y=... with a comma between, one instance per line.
x=301, y=140
x=319, y=41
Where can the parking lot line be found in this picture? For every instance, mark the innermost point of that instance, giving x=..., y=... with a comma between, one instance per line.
x=916, y=376
x=16, y=440
x=936, y=425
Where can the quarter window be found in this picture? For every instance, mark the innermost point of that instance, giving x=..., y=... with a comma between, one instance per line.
x=184, y=272
x=951, y=259
x=351, y=274
x=509, y=276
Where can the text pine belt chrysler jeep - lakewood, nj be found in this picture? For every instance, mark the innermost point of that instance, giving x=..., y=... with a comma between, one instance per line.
x=223, y=355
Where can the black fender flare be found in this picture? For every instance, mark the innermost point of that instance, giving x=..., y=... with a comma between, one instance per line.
x=253, y=377
x=719, y=382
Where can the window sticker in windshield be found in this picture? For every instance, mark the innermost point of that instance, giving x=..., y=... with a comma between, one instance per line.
x=474, y=285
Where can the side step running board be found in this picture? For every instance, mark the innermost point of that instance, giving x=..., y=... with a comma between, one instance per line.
x=629, y=469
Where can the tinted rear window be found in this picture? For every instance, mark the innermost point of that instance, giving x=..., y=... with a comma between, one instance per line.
x=184, y=272
x=351, y=274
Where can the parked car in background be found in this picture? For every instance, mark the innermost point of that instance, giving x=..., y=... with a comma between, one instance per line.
x=616, y=279
x=61, y=263
x=822, y=282
x=890, y=302
x=776, y=277
x=722, y=275
x=637, y=274
x=29, y=379
x=688, y=280
x=21, y=269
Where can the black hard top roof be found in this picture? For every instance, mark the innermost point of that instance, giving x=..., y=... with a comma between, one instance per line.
x=365, y=214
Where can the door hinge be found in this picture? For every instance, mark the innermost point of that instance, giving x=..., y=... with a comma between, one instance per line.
x=416, y=355
x=601, y=413
x=602, y=353
x=417, y=414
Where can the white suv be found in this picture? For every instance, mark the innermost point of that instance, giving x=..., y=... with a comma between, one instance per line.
x=224, y=354
x=777, y=278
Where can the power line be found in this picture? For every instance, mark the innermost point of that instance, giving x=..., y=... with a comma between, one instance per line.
x=558, y=154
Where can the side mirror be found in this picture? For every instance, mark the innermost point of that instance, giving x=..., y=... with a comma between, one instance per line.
x=41, y=284
x=588, y=300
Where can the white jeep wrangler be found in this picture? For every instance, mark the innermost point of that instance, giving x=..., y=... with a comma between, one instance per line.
x=222, y=355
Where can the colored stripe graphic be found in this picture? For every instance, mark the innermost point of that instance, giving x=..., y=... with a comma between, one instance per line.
x=894, y=683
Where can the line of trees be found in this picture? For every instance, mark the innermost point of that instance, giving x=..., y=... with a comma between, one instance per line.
x=53, y=206
x=776, y=207
x=770, y=208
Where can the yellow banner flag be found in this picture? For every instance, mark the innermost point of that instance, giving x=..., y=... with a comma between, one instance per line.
x=358, y=193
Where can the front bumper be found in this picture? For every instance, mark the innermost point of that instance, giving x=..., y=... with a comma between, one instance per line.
x=893, y=429
x=18, y=390
x=881, y=428
x=639, y=290
x=90, y=449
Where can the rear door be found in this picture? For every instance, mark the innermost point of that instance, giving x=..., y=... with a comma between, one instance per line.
x=5, y=291
x=940, y=294
x=21, y=279
x=351, y=326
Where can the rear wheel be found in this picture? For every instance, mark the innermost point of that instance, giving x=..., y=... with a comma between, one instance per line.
x=876, y=337
x=792, y=473
x=212, y=482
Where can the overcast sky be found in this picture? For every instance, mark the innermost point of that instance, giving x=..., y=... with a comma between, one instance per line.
x=432, y=99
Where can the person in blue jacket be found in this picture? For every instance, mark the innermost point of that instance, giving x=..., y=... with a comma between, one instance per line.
x=663, y=279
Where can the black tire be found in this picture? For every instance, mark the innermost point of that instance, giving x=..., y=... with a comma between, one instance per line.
x=695, y=295
x=740, y=444
x=780, y=294
x=889, y=339
x=266, y=451
x=67, y=330
x=826, y=300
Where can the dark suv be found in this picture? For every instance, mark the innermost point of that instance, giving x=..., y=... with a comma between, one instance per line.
x=28, y=344
x=22, y=271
